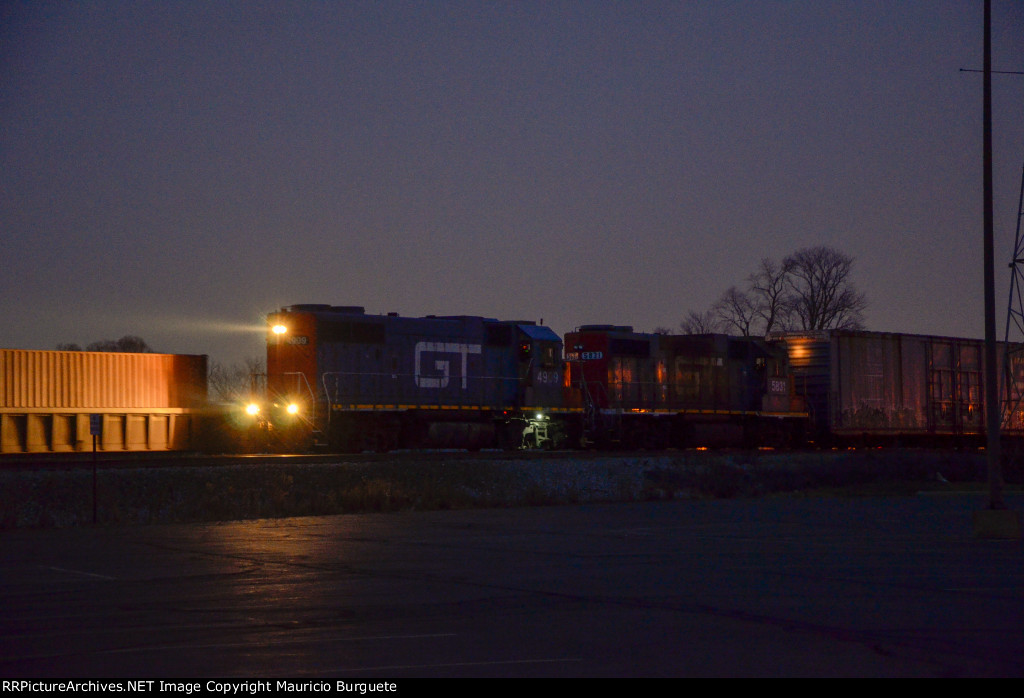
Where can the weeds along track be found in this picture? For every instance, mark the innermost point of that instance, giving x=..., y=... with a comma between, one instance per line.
x=268, y=487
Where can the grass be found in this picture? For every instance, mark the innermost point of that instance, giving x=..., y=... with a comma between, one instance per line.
x=271, y=490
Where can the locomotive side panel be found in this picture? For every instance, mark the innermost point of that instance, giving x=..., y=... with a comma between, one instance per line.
x=586, y=355
x=539, y=371
x=698, y=372
x=398, y=362
x=615, y=368
x=351, y=358
x=292, y=360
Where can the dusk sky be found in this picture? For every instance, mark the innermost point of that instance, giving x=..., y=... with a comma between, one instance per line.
x=176, y=170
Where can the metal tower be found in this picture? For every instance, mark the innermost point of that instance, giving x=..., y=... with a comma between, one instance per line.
x=1013, y=358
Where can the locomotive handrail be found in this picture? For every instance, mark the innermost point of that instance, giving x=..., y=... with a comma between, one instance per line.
x=309, y=388
x=372, y=389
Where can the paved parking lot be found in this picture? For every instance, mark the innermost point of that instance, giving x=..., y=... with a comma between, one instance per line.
x=783, y=586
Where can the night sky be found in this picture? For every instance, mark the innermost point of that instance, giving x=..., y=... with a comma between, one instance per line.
x=176, y=170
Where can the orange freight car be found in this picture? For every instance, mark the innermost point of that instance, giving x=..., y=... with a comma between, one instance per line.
x=147, y=402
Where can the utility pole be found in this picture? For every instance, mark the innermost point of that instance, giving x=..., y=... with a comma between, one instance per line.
x=995, y=521
x=993, y=413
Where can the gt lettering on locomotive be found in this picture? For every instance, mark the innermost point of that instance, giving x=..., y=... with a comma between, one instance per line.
x=442, y=365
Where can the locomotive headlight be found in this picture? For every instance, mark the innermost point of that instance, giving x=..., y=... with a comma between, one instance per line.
x=292, y=408
x=252, y=409
x=278, y=329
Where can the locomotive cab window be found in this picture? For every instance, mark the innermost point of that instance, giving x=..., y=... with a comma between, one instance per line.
x=547, y=354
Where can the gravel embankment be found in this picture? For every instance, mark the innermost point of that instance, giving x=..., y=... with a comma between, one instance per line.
x=47, y=498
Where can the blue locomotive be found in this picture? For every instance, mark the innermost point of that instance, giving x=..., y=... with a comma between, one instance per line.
x=353, y=381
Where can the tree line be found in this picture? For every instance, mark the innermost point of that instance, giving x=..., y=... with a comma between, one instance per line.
x=129, y=343
x=808, y=290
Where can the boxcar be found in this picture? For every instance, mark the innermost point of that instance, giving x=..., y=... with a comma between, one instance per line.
x=144, y=402
x=377, y=382
x=652, y=390
x=884, y=387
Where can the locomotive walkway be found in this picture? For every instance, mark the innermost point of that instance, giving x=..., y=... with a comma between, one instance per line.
x=775, y=586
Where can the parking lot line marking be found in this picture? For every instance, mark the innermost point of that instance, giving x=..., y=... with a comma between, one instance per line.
x=85, y=574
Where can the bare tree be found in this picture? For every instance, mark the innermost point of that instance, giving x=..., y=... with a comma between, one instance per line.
x=769, y=290
x=736, y=310
x=700, y=323
x=661, y=330
x=809, y=290
x=128, y=343
x=820, y=293
x=236, y=382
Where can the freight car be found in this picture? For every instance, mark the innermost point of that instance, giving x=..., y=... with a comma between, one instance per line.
x=653, y=390
x=145, y=402
x=339, y=377
x=878, y=387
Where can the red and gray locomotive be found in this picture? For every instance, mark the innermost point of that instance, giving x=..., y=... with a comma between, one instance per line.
x=655, y=390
